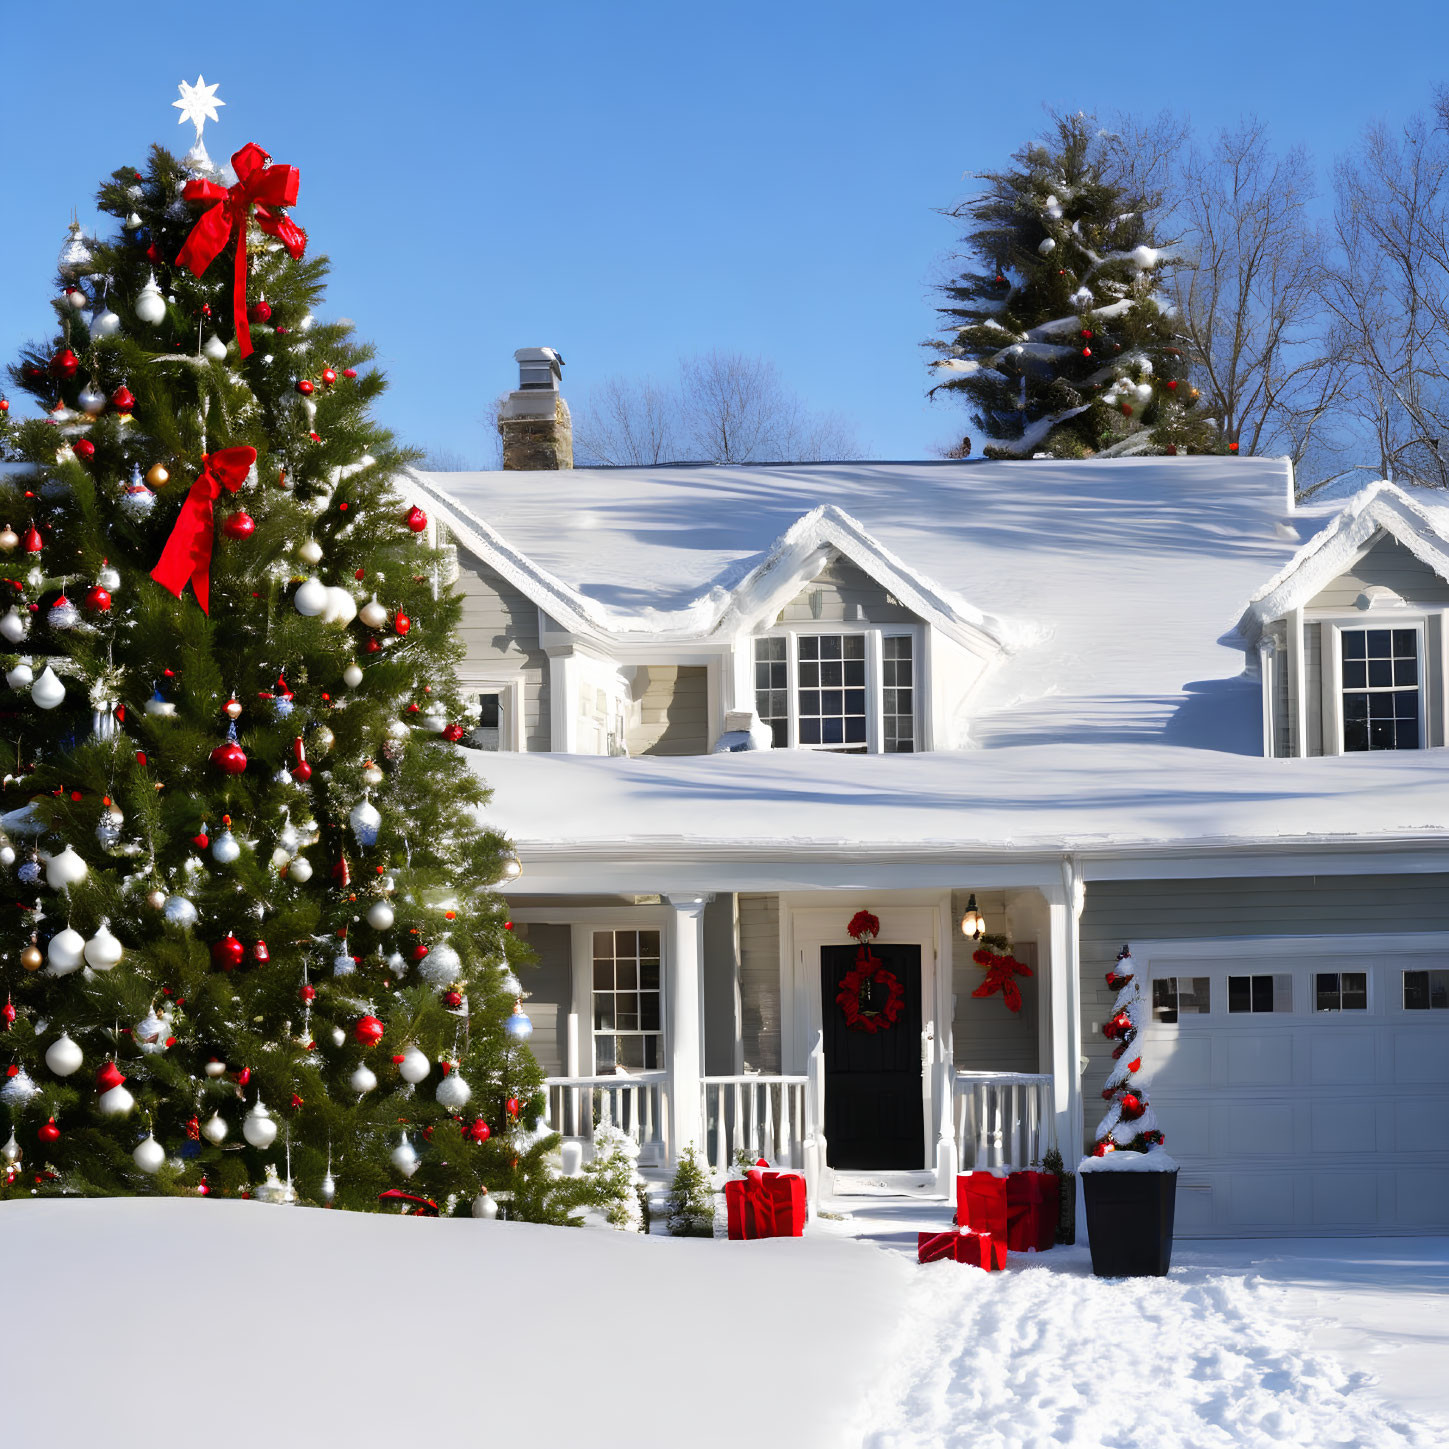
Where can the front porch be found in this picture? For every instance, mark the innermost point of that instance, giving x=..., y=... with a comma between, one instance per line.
x=712, y=1020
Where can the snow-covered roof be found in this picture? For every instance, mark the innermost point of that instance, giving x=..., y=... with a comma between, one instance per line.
x=1111, y=587
x=1416, y=519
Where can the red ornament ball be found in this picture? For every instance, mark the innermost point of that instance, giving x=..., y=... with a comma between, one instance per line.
x=453, y=733
x=97, y=600
x=476, y=1131
x=84, y=449
x=1086, y=331
x=302, y=771
x=308, y=992
x=1086, y=352
x=372, y=646
x=49, y=1133
x=305, y=386
x=368, y=1030
x=1232, y=447
x=349, y=372
x=453, y=999
x=328, y=377
x=33, y=541
x=419, y=951
x=7, y=1014
x=108, y=1077
x=4, y=404
x=514, y=1106
x=402, y=623
x=229, y=758
x=260, y=954
x=64, y=363
x=259, y=312
x=227, y=953
x=416, y=519
x=1132, y=1106
x=239, y=525
x=123, y=399
x=1172, y=384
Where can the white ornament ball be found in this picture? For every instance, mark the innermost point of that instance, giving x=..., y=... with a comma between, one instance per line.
x=341, y=607
x=66, y=952
x=47, y=691
x=179, y=911
x=7, y=855
x=328, y=1190
x=150, y=305
x=404, y=1158
x=380, y=916
x=63, y=1056
x=20, y=676
x=149, y=1155
x=18, y=1090
x=441, y=965
x=373, y=614
x=215, y=348
x=115, y=1103
x=352, y=676
x=363, y=1080
x=105, y=324
x=1046, y=246
x=338, y=1036
x=109, y=579
x=64, y=870
x=92, y=400
x=150, y=1033
x=10, y=1152
x=300, y=870
x=258, y=1127
x=224, y=848
x=214, y=1129
x=414, y=1066
x=483, y=1206
x=1144, y=392
x=310, y=552
x=366, y=821
x=103, y=950
x=14, y=626
x=310, y=598
x=453, y=1092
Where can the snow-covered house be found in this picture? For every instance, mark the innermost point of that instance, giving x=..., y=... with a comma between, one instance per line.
x=1139, y=699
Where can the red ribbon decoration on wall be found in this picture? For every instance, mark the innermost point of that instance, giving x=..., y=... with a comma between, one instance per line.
x=260, y=185
x=187, y=555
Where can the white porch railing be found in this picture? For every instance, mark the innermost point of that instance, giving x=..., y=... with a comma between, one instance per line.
x=762, y=1115
x=635, y=1104
x=1003, y=1119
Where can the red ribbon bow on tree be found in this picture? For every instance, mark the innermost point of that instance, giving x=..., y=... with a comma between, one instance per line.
x=187, y=555
x=260, y=185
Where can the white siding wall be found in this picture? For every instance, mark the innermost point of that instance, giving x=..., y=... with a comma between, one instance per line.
x=759, y=928
x=550, y=985
x=987, y=1036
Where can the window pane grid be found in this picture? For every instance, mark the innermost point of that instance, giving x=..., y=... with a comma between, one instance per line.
x=831, y=683
x=1380, y=689
x=626, y=1004
x=772, y=689
x=898, y=709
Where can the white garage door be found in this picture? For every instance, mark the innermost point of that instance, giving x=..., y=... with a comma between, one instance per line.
x=1303, y=1091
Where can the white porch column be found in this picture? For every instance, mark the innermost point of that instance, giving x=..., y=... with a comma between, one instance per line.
x=685, y=936
x=1065, y=908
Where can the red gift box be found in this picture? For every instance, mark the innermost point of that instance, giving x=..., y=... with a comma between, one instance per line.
x=981, y=1203
x=1033, y=1210
x=765, y=1205
x=981, y=1250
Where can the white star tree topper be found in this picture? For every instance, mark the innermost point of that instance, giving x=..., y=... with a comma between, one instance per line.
x=198, y=105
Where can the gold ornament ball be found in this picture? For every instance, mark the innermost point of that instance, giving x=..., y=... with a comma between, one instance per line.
x=158, y=477
x=31, y=959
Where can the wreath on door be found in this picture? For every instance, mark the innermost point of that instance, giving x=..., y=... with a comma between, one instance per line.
x=871, y=997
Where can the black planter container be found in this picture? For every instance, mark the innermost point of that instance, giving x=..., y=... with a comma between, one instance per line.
x=1129, y=1222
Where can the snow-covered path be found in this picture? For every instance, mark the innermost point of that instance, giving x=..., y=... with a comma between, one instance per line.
x=1214, y=1355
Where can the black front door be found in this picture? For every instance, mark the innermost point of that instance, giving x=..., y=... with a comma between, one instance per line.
x=873, y=1113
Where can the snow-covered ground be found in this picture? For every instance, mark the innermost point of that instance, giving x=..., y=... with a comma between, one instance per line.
x=165, y=1322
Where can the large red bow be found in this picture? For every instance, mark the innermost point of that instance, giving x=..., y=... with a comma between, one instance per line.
x=187, y=555
x=261, y=185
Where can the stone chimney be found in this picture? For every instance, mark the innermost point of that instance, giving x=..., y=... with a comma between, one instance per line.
x=537, y=430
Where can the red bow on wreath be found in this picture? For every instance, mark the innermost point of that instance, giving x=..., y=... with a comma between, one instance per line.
x=187, y=555
x=868, y=971
x=999, y=971
x=261, y=185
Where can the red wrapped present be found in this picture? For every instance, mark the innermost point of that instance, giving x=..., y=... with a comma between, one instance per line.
x=981, y=1203
x=1033, y=1210
x=981, y=1250
x=765, y=1205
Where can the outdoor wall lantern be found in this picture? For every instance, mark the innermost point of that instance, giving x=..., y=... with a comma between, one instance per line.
x=973, y=923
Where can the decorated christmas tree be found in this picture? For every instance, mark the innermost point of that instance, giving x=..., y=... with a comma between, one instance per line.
x=1129, y=1124
x=1057, y=335
x=254, y=945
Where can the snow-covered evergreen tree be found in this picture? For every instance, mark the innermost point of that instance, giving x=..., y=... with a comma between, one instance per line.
x=691, y=1199
x=613, y=1179
x=1056, y=333
x=1129, y=1124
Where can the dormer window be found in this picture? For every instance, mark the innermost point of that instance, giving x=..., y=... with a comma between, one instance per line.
x=1380, y=685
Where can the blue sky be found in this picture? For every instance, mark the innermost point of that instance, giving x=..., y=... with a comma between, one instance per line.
x=631, y=183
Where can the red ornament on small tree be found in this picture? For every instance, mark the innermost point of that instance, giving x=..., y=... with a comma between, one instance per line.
x=1129, y=1124
x=368, y=1030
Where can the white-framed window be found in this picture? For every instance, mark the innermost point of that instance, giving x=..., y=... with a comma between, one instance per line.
x=1260, y=993
x=1340, y=991
x=1426, y=990
x=1379, y=685
x=627, y=999
x=1180, y=995
x=848, y=691
x=496, y=721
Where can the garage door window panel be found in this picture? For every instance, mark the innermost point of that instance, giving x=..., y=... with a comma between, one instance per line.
x=1174, y=996
x=1260, y=994
x=1340, y=991
x=1426, y=990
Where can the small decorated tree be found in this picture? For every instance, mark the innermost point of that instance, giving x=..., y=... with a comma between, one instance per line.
x=613, y=1179
x=1129, y=1124
x=691, y=1199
